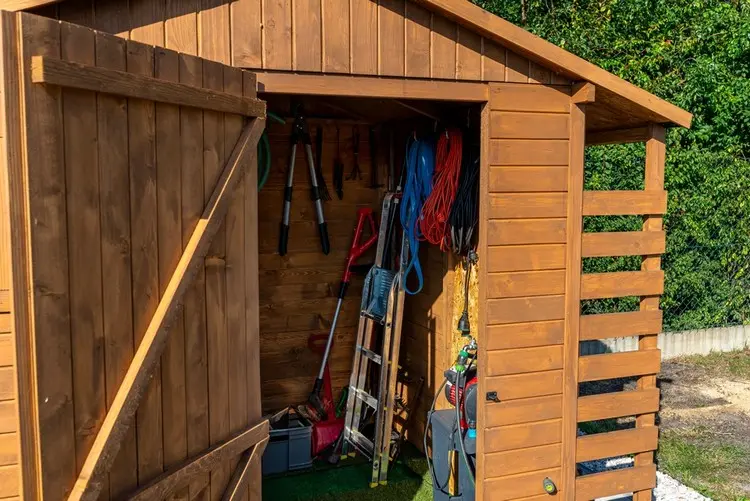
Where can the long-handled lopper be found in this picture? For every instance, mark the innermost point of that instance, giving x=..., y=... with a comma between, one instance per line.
x=355, y=252
x=301, y=133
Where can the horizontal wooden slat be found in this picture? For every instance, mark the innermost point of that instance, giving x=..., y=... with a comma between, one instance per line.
x=534, y=384
x=8, y=416
x=7, y=384
x=527, y=205
x=525, y=410
x=617, y=404
x=526, y=335
x=79, y=76
x=624, y=203
x=610, y=483
x=525, y=257
x=370, y=87
x=5, y=321
x=526, y=283
x=514, y=125
x=620, y=136
x=615, y=365
x=630, y=323
x=543, y=152
x=8, y=449
x=522, y=97
x=7, y=356
x=505, y=438
x=622, y=284
x=528, y=179
x=501, y=464
x=9, y=480
x=526, y=231
x=624, y=243
x=527, y=309
x=519, y=486
x=616, y=443
x=518, y=361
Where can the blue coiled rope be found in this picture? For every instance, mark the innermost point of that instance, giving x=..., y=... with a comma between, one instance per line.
x=419, y=166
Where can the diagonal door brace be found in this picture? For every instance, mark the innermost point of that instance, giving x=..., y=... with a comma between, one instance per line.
x=129, y=395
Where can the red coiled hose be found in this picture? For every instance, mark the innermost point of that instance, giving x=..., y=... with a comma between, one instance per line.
x=437, y=207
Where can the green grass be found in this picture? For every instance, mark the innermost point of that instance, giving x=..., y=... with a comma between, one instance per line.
x=710, y=468
x=602, y=426
x=408, y=480
x=732, y=364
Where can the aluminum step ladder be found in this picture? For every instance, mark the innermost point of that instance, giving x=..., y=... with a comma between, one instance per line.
x=362, y=404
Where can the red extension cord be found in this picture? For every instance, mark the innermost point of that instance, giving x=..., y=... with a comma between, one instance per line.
x=437, y=207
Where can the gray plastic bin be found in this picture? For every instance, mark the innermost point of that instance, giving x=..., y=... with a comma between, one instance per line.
x=289, y=444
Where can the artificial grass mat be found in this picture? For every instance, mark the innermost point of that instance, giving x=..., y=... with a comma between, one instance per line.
x=408, y=480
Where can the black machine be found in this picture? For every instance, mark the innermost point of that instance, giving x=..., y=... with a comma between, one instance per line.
x=453, y=460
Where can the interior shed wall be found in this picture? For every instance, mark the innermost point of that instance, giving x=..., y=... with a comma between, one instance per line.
x=107, y=205
x=395, y=38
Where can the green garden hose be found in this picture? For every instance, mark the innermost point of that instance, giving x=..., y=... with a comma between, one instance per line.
x=264, y=153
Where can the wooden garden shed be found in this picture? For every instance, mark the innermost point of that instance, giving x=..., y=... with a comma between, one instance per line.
x=128, y=188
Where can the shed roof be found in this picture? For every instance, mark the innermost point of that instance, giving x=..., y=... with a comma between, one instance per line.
x=619, y=104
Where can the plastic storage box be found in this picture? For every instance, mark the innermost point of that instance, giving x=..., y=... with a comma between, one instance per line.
x=289, y=443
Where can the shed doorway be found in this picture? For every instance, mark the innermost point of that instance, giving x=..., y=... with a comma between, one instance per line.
x=298, y=291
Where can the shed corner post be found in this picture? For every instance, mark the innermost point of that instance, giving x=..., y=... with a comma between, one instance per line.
x=573, y=260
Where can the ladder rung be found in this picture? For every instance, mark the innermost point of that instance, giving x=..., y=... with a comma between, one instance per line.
x=365, y=397
x=371, y=355
x=362, y=443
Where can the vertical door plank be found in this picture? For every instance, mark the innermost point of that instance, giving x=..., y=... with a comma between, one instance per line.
x=142, y=156
x=469, y=63
x=112, y=17
x=336, y=22
x=252, y=298
x=216, y=300
x=391, y=38
x=147, y=21
x=307, y=36
x=213, y=22
x=654, y=181
x=277, y=34
x=246, y=28
x=418, y=29
x=194, y=311
x=169, y=238
x=77, y=12
x=493, y=62
x=539, y=74
x=49, y=252
x=443, y=48
x=364, y=37
x=235, y=274
x=114, y=196
x=516, y=68
x=84, y=252
x=181, y=25
x=572, y=299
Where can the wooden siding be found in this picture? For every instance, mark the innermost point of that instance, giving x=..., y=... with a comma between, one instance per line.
x=121, y=196
x=396, y=38
x=524, y=241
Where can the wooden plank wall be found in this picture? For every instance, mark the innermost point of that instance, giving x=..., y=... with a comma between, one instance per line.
x=396, y=38
x=299, y=291
x=114, y=194
x=523, y=269
x=646, y=322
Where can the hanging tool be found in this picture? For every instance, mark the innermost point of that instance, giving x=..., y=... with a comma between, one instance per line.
x=374, y=184
x=301, y=133
x=338, y=169
x=324, y=195
x=355, y=252
x=356, y=173
x=464, y=326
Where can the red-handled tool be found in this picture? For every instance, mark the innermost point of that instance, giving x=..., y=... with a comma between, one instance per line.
x=355, y=252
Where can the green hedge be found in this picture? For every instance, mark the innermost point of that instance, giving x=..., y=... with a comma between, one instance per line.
x=696, y=54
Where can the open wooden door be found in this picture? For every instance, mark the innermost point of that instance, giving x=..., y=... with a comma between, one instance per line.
x=133, y=239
